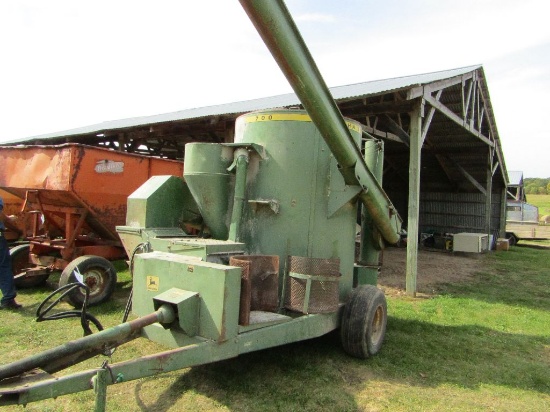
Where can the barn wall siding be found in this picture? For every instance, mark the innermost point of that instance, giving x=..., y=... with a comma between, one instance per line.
x=442, y=212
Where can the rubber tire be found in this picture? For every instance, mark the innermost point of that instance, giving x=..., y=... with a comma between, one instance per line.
x=99, y=274
x=512, y=240
x=364, y=320
x=20, y=260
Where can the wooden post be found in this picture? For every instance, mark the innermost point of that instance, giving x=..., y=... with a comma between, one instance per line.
x=414, y=199
x=488, y=197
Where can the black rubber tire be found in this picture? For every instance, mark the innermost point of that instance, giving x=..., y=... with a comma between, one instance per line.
x=99, y=274
x=364, y=320
x=512, y=239
x=19, y=261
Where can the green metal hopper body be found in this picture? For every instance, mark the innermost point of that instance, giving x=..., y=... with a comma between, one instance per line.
x=264, y=249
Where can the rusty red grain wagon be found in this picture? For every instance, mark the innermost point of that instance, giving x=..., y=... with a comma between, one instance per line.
x=12, y=206
x=73, y=198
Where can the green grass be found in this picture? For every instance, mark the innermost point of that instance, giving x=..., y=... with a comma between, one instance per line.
x=542, y=202
x=480, y=345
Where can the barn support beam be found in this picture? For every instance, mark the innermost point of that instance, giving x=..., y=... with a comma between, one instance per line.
x=397, y=130
x=469, y=177
x=429, y=118
x=414, y=197
x=488, y=194
x=502, y=226
x=461, y=122
x=372, y=129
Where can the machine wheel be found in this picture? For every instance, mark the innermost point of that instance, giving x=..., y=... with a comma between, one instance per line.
x=512, y=239
x=99, y=275
x=19, y=262
x=364, y=321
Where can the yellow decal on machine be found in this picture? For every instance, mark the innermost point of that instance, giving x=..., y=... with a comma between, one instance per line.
x=274, y=117
x=353, y=126
x=153, y=283
x=292, y=117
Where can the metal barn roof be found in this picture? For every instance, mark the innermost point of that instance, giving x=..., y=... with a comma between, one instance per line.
x=515, y=178
x=344, y=93
x=459, y=128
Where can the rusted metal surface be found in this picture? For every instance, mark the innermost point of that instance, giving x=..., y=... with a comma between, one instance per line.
x=312, y=284
x=66, y=178
x=244, y=304
x=74, y=196
x=12, y=206
x=259, y=284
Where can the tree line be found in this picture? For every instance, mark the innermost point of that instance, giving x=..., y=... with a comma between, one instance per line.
x=536, y=186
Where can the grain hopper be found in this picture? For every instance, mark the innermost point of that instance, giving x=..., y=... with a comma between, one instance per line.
x=274, y=262
x=72, y=197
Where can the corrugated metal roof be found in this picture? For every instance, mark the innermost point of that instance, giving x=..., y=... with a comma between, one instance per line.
x=515, y=178
x=285, y=100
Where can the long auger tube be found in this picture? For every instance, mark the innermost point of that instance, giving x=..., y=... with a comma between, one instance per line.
x=78, y=350
x=280, y=34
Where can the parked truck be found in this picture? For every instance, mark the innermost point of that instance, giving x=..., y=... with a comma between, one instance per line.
x=522, y=222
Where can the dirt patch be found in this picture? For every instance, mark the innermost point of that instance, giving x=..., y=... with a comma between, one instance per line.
x=435, y=268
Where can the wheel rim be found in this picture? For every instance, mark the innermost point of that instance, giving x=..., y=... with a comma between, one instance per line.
x=94, y=279
x=377, y=325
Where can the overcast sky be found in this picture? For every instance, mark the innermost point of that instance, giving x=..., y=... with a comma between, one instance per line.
x=67, y=64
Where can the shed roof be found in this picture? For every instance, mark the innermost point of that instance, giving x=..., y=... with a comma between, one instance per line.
x=340, y=93
x=515, y=178
x=459, y=128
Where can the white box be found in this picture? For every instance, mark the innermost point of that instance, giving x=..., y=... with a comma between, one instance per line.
x=470, y=242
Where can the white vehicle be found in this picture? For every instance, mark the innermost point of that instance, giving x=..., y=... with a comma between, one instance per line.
x=522, y=222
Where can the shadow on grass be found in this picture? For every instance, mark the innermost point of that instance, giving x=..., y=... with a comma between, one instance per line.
x=533, y=245
x=317, y=375
x=467, y=356
x=304, y=376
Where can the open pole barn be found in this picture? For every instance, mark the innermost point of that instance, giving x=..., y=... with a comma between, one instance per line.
x=443, y=168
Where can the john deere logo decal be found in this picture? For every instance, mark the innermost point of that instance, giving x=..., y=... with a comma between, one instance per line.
x=152, y=283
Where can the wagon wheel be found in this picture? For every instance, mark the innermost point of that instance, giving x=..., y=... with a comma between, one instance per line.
x=364, y=321
x=19, y=262
x=98, y=274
